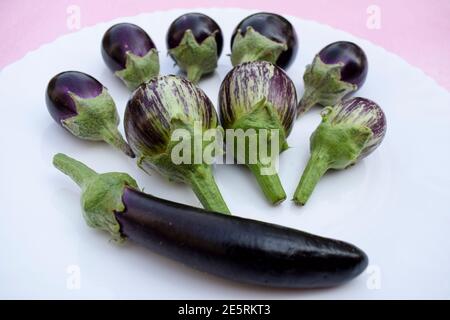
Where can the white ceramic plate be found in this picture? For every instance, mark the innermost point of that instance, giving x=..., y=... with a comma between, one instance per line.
x=393, y=205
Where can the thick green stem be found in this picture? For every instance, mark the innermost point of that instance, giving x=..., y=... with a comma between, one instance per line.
x=76, y=170
x=194, y=73
x=307, y=102
x=112, y=136
x=205, y=187
x=317, y=165
x=270, y=184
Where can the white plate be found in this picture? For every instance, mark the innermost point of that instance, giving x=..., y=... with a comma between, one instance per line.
x=393, y=205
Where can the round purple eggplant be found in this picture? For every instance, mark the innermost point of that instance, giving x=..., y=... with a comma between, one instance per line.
x=195, y=42
x=337, y=70
x=130, y=53
x=264, y=36
x=259, y=98
x=82, y=105
x=162, y=117
x=239, y=249
x=349, y=131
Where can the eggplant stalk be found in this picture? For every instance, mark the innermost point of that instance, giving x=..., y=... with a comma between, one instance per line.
x=323, y=85
x=205, y=188
x=333, y=146
x=263, y=117
x=196, y=59
x=253, y=46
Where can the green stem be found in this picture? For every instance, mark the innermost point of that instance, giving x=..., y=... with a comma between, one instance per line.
x=248, y=57
x=77, y=171
x=194, y=73
x=112, y=136
x=206, y=190
x=317, y=165
x=270, y=184
x=307, y=102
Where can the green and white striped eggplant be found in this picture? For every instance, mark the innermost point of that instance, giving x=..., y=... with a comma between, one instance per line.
x=256, y=97
x=349, y=131
x=168, y=112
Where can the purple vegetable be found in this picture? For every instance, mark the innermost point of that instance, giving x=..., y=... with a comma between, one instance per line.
x=154, y=114
x=235, y=248
x=83, y=106
x=264, y=36
x=195, y=43
x=337, y=70
x=349, y=131
x=254, y=96
x=130, y=53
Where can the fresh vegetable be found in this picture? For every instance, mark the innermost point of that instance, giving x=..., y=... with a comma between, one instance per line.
x=154, y=113
x=130, y=53
x=255, y=96
x=264, y=36
x=195, y=43
x=337, y=70
x=349, y=132
x=83, y=106
x=239, y=249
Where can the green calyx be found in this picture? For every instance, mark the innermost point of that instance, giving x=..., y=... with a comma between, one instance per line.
x=97, y=120
x=253, y=46
x=333, y=146
x=261, y=130
x=182, y=161
x=196, y=59
x=101, y=194
x=139, y=69
x=323, y=85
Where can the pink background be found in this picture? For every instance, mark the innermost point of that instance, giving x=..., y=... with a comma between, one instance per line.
x=416, y=30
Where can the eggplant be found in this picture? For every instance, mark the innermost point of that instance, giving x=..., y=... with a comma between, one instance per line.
x=264, y=36
x=168, y=112
x=195, y=42
x=130, y=53
x=349, y=132
x=338, y=70
x=82, y=105
x=231, y=247
x=259, y=99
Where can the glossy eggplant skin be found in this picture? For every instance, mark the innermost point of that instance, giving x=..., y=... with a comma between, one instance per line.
x=276, y=28
x=201, y=26
x=121, y=38
x=59, y=102
x=239, y=249
x=353, y=58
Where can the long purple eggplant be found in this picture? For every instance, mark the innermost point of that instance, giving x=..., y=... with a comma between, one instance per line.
x=239, y=249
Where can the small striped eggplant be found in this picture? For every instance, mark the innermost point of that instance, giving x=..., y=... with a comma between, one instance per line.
x=255, y=96
x=155, y=113
x=83, y=106
x=349, y=131
x=337, y=70
x=130, y=53
x=239, y=249
x=264, y=36
x=195, y=43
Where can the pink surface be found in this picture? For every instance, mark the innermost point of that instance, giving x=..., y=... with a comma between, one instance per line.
x=416, y=30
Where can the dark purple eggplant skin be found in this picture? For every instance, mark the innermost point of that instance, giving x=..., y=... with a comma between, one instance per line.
x=276, y=28
x=239, y=249
x=355, y=66
x=59, y=103
x=201, y=26
x=121, y=38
